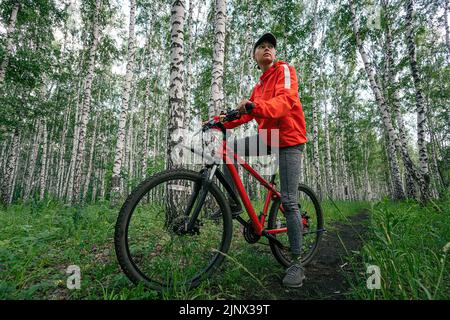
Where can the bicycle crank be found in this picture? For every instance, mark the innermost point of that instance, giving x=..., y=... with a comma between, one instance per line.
x=249, y=234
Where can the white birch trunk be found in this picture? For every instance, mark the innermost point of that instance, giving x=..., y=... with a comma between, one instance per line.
x=52, y=169
x=306, y=169
x=398, y=193
x=119, y=150
x=217, y=96
x=420, y=105
x=367, y=187
x=395, y=102
x=328, y=167
x=15, y=173
x=146, y=111
x=9, y=44
x=336, y=193
x=62, y=151
x=249, y=45
x=447, y=29
x=101, y=175
x=346, y=182
x=43, y=172
x=29, y=178
x=144, y=153
x=102, y=185
x=338, y=170
x=3, y=158
x=91, y=158
x=130, y=149
x=301, y=177
x=68, y=186
x=84, y=117
x=314, y=107
x=189, y=61
x=8, y=178
x=176, y=95
x=146, y=123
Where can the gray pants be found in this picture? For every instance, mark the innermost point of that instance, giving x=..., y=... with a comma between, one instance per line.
x=289, y=167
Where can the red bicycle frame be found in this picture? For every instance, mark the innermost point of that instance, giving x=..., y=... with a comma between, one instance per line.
x=273, y=194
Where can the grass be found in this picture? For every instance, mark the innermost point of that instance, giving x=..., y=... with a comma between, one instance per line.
x=40, y=240
x=409, y=243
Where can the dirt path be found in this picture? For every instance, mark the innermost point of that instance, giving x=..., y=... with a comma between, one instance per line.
x=325, y=276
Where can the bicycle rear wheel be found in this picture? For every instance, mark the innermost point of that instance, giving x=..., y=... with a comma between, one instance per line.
x=312, y=226
x=150, y=242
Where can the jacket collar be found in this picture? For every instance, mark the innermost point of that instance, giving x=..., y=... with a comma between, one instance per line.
x=272, y=69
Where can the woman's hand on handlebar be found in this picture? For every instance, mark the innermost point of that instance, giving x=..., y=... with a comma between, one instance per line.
x=243, y=106
x=230, y=115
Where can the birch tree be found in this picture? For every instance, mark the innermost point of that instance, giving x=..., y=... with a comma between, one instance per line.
x=9, y=40
x=176, y=94
x=329, y=170
x=447, y=29
x=314, y=106
x=394, y=100
x=217, y=95
x=8, y=177
x=398, y=192
x=87, y=179
x=56, y=71
x=189, y=53
x=119, y=150
x=29, y=177
x=85, y=111
x=420, y=105
x=44, y=159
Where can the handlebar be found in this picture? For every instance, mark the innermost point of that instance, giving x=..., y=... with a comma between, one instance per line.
x=215, y=122
x=231, y=115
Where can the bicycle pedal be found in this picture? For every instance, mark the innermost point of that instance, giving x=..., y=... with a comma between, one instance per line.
x=236, y=214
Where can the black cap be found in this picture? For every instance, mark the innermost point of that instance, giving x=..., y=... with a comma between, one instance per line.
x=266, y=37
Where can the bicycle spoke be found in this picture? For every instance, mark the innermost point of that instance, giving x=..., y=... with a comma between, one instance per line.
x=161, y=250
x=312, y=228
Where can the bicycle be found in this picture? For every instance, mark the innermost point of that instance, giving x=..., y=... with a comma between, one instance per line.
x=168, y=234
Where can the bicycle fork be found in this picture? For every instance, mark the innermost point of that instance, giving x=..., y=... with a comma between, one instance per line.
x=198, y=197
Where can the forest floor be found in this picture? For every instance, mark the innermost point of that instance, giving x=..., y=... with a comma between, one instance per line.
x=327, y=275
x=40, y=241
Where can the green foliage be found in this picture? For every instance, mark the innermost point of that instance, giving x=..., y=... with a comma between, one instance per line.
x=40, y=240
x=409, y=243
x=31, y=63
x=202, y=92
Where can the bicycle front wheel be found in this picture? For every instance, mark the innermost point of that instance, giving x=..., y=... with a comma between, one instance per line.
x=312, y=227
x=151, y=244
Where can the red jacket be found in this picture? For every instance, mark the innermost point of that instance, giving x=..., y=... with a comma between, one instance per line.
x=277, y=106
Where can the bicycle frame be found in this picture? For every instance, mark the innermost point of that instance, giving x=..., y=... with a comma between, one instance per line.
x=272, y=195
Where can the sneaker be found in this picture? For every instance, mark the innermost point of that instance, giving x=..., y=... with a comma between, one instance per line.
x=294, y=277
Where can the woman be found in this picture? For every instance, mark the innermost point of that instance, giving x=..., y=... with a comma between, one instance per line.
x=276, y=107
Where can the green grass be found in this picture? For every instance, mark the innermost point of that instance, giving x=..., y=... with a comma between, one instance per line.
x=40, y=240
x=409, y=243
